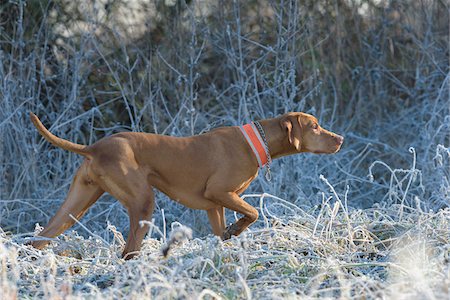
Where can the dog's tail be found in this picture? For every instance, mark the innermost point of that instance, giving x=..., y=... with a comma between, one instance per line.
x=59, y=142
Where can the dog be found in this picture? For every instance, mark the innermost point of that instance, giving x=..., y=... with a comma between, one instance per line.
x=207, y=171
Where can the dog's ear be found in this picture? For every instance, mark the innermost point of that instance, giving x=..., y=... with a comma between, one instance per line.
x=293, y=127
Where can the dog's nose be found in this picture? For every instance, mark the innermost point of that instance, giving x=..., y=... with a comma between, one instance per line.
x=339, y=139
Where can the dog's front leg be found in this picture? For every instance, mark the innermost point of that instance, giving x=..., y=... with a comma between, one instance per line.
x=232, y=201
x=216, y=218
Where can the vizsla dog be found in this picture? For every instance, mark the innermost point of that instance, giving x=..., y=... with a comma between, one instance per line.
x=207, y=171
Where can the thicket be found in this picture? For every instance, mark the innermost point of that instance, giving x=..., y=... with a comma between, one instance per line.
x=376, y=72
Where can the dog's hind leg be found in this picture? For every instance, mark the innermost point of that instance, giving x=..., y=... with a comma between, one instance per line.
x=128, y=184
x=82, y=194
x=140, y=209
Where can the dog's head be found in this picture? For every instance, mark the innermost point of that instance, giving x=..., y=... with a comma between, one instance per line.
x=305, y=134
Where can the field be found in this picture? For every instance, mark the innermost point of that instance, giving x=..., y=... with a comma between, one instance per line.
x=370, y=222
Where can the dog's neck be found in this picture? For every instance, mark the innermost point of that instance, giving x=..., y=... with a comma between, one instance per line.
x=276, y=138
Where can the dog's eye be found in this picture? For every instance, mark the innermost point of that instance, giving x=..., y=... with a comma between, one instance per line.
x=315, y=126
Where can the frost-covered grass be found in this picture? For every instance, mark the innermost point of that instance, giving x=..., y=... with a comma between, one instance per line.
x=393, y=250
x=327, y=251
x=371, y=221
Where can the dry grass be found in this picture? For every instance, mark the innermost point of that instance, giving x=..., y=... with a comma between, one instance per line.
x=324, y=252
x=369, y=222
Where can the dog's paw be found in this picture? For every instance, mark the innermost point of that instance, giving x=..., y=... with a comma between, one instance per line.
x=226, y=235
x=229, y=232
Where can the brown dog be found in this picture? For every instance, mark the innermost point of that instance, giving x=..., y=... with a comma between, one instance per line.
x=207, y=171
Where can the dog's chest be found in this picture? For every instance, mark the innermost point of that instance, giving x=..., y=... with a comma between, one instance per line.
x=243, y=186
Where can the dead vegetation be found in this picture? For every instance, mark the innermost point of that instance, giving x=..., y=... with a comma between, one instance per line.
x=369, y=222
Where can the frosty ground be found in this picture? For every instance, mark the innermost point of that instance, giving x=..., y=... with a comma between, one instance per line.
x=371, y=221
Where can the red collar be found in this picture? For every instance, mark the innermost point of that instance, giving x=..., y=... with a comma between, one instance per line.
x=256, y=142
